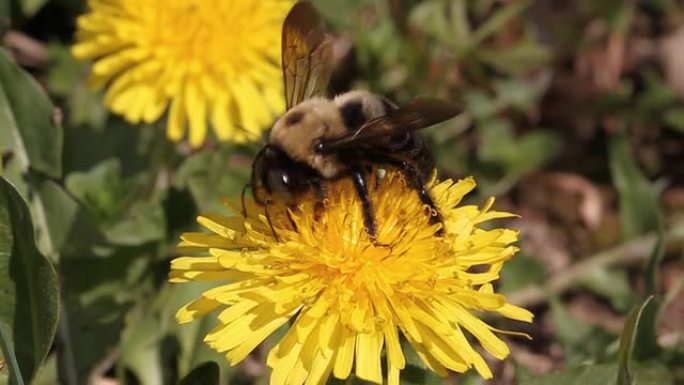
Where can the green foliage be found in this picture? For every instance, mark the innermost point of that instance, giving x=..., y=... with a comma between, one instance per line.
x=570, y=88
x=28, y=283
x=625, y=375
x=204, y=374
x=124, y=216
x=588, y=374
x=639, y=203
x=621, y=372
x=612, y=284
x=209, y=177
x=28, y=114
x=522, y=271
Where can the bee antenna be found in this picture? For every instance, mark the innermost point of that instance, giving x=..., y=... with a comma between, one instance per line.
x=270, y=223
x=252, y=135
x=242, y=199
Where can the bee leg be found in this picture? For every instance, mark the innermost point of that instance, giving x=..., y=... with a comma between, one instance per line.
x=270, y=223
x=321, y=194
x=289, y=211
x=242, y=199
x=362, y=190
x=416, y=181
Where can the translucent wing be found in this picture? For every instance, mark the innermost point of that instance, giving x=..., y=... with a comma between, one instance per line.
x=307, y=54
x=419, y=113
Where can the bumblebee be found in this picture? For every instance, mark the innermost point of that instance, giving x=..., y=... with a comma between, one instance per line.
x=320, y=139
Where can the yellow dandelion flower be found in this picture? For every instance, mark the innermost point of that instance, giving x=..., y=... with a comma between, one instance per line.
x=348, y=298
x=203, y=61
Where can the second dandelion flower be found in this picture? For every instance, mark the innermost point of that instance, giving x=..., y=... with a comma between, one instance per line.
x=208, y=63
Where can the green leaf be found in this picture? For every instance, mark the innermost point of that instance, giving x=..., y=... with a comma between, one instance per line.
x=645, y=374
x=518, y=93
x=653, y=373
x=639, y=199
x=5, y=16
x=619, y=15
x=86, y=146
x=205, y=374
x=656, y=95
x=413, y=375
x=30, y=7
x=101, y=190
x=141, y=345
x=507, y=13
x=674, y=118
x=480, y=104
x=47, y=374
x=63, y=226
x=27, y=111
x=497, y=141
x=651, y=277
x=146, y=223
x=430, y=17
x=584, y=375
x=124, y=216
x=148, y=345
x=67, y=79
x=209, y=178
x=515, y=156
x=98, y=293
x=646, y=345
x=532, y=151
x=569, y=330
x=520, y=272
x=627, y=341
x=612, y=284
x=30, y=295
x=520, y=58
x=193, y=349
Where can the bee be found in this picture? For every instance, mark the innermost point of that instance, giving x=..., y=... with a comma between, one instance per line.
x=320, y=139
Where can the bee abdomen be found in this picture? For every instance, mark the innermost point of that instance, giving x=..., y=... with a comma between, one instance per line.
x=414, y=148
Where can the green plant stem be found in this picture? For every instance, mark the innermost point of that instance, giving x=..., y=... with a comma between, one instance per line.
x=66, y=363
x=635, y=250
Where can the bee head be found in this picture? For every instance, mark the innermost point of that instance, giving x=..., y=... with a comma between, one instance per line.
x=279, y=175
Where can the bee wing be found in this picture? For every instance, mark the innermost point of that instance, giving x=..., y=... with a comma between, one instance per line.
x=419, y=113
x=307, y=54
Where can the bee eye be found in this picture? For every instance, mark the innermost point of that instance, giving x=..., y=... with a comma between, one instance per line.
x=294, y=118
x=318, y=146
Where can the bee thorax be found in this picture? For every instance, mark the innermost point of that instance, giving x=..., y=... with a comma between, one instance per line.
x=299, y=129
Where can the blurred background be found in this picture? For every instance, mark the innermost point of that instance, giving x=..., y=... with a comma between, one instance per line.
x=573, y=119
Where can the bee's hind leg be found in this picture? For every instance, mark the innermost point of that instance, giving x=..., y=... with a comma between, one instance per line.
x=416, y=182
x=361, y=185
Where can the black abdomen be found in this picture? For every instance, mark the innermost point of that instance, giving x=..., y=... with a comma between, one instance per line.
x=411, y=146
